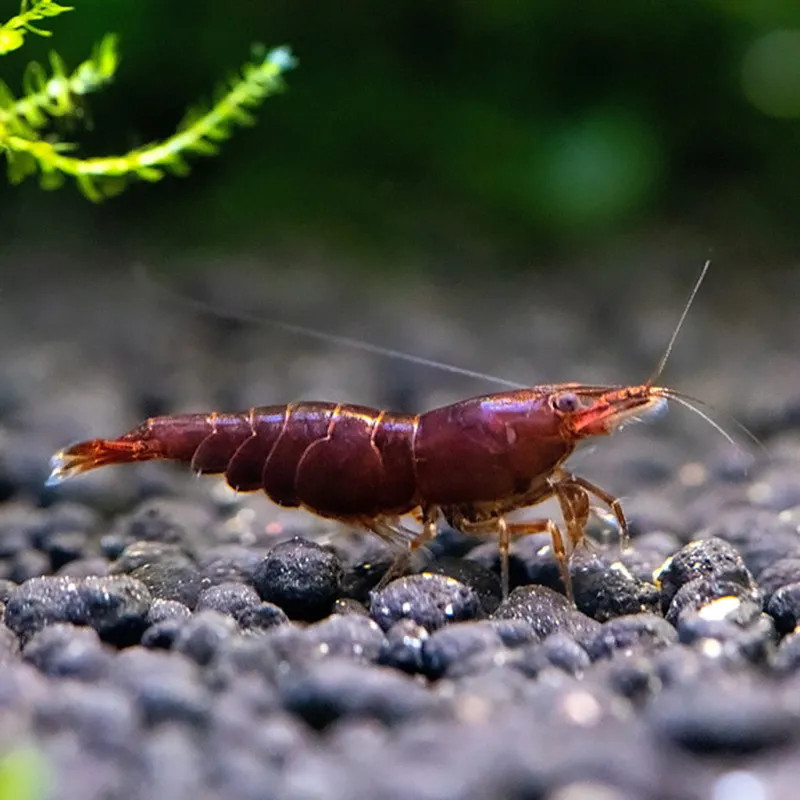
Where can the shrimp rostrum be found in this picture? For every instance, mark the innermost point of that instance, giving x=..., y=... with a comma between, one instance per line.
x=472, y=462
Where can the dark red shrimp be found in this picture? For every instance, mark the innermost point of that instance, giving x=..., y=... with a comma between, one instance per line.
x=473, y=461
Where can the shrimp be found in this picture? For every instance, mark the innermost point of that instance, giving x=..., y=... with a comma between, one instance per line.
x=472, y=462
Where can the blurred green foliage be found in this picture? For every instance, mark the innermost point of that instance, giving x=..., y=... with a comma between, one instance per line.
x=418, y=125
x=24, y=775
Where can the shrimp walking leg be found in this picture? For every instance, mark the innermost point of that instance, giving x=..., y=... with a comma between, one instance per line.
x=515, y=530
x=566, y=479
x=401, y=562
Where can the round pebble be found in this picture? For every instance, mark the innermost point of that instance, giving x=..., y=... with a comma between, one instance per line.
x=337, y=689
x=784, y=607
x=603, y=590
x=201, y=636
x=301, y=577
x=712, y=558
x=232, y=599
x=429, y=600
x=116, y=606
x=456, y=643
x=347, y=636
x=262, y=617
x=66, y=651
x=402, y=646
x=638, y=632
x=546, y=611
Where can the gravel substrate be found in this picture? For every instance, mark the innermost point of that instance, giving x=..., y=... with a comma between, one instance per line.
x=164, y=638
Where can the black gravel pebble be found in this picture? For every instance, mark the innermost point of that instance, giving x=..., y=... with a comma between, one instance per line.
x=546, y=611
x=752, y=641
x=786, y=658
x=488, y=556
x=348, y=636
x=479, y=578
x=65, y=546
x=261, y=617
x=456, y=643
x=232, y=599
x=337, y=689
x=633, y=677
x=6, y=587
x=429, y=600
x=705, y=558
x=712, y=558
x=161, y=635
x=162, y=610
x=558, y=650
x=164, y=688
x=203, y=635
x=779, y=574
x=67, y=651
x=171, y=579
x=603, y=590
x=735, y=716
x=230, y=563
x=515, y=632
x=28, y=563
x=700, y=592
x=638, y=632
x=140, y=553
x=116, y=607
x=402, y=647
x=301, y=577
x=164, y=520
x=9, y=646
x=96, y=566
x=348, y=605
x=103, y=720
x=784, y=607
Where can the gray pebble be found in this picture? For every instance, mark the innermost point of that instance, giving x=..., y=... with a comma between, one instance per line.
x=429, y=600
x=301, y=577
x=116, y=606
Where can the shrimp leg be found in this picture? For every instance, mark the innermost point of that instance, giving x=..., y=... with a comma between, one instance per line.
x=401, y=562
x=515, y=530
x=566, y=480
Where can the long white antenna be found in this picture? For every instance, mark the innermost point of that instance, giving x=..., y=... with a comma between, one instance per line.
x=344, y=341
x=661, y=364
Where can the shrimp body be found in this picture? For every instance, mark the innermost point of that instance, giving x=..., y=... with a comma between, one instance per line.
x=472, y=461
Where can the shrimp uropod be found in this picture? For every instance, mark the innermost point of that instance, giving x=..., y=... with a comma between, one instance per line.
x=471, y=462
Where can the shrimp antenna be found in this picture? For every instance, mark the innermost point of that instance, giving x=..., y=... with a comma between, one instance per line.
x=143, y=276
x=663, y=362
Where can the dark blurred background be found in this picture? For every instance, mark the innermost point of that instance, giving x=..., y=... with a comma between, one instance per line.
x=453, y=135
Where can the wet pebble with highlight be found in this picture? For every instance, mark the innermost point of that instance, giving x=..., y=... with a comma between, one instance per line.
x=546, y=611
x=116, y=606
x=710, y=559
x=429, y=600
x=301, y=577
x=784, y=607
x=605, y=590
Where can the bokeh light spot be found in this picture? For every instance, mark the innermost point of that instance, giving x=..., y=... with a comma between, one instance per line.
x=771, y=74
x=600, y=169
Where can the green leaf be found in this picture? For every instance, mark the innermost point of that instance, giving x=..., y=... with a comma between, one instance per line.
x=10, y=40
x=53, y=96
x=12, y=33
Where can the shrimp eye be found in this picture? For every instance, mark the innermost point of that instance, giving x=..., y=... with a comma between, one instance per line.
x=566, y=403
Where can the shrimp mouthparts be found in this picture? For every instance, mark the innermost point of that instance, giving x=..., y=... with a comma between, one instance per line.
x=617, y=407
